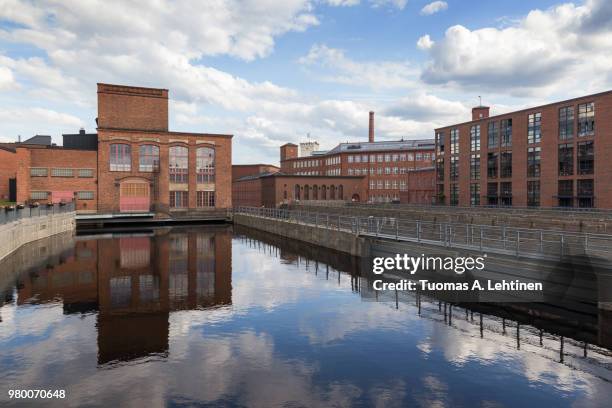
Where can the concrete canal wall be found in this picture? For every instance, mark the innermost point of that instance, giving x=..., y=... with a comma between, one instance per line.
x=330, y=238
x=22, y=231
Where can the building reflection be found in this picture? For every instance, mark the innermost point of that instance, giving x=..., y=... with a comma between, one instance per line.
x=134, y=283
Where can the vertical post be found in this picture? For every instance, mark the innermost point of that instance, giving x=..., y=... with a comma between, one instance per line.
x=396, y=229
x=481, y=237
x=541, y=241
x=418, y=231
x=562, y=244
x=518, y=242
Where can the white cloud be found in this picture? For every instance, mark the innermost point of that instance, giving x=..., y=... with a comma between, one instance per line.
x=342, y=3
x=7, y=80
x=335, y=66
x=425, y=42
x=566, y=44
x=400, y=4
x=422, y=106
x=434, y=7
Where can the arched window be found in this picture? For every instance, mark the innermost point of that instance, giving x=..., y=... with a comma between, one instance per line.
x=148, y=159
x=315, y=192
x=179, y=161
x=332, y=193
x=296, y=192
x=340, y=192
x=120, y=157
x=306, y=192
x=323, y=193
x=205, y=164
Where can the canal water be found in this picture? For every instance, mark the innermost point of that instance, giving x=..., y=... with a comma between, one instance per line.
x=208, y=316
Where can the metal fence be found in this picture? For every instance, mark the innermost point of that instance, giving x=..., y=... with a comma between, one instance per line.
x=496, y=239
x=14, y=213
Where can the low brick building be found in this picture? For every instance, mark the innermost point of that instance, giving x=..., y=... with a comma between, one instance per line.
x=274, y=189
x=8, y=173
x=243, y=170
x=133, y=163
x=421, y=187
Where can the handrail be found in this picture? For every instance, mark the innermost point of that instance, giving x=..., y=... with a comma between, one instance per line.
x=13, y=213
x=502, y=239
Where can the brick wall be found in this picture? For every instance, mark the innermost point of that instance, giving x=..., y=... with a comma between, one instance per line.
x=65, y=159
x=549, y=176
x=110, y=181
x=8, y=170
x=127, y=107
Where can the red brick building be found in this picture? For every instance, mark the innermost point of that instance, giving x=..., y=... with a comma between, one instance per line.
x=385, y=165
x=274, y=189
x=243, y=170
x=421, y=187
x=554, y=155
x=133, y=164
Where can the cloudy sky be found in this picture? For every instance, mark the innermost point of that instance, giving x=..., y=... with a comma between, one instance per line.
x=273, y=71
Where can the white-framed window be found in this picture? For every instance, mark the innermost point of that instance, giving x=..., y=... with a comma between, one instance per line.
x=85, y=195
x=62, y=172
x=39, y=195
x=39, y=172
x=85, y=173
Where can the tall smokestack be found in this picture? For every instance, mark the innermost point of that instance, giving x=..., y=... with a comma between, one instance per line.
x=371, y=129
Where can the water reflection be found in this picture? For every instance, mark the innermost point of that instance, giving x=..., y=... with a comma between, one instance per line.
x=211, y=316
x=134, y=283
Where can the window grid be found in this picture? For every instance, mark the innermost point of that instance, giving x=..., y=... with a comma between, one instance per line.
x=534, y=128
x=39, y=172
x=586, y=119
x=85, y=173
x=566, y=123
x=120, y=157
x=62, y=172
x=207, y=198
x=85, y=195
x=178, y=162
x=148, y=160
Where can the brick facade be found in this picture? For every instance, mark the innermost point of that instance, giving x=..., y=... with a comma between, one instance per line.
x=546, y=183
x=243, y=170
x=421, y=187
x=277, y=189
x=385, y=165
x=8, y=170
x=129, y=168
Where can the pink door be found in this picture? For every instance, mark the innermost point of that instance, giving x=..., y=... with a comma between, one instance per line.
x=134, y=197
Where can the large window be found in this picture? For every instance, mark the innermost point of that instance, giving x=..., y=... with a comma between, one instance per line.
x=566, y=159
x=179, y=199
x=586, y=119
x=493, y=135
x=475, y=167
x=585, y=193
x=534, y=128
x=454, y=168
x=149, y=158
x=475, y=194
x=506, y=132
x=506, y=193
x=205, y=164
x=492, y=164
x=440, y=168
x=475, y=138
x=505, y=164
x=533, y=193
x=120, y=157
x=454, y=194
x=492, y=193
x=586, y=158
x=565, y=193
x=439, y=143
x=566, y=123
x=179, y=161
x=206, y=199
x=533, y=161
x=454, y=141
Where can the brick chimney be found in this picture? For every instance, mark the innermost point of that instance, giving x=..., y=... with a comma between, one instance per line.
x=371, y=128
x=480, y=112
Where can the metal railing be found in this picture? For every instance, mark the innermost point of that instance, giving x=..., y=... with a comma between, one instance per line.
x=497, y=239
x=13, y=213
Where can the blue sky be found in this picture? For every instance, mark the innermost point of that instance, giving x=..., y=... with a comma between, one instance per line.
x=272, y=71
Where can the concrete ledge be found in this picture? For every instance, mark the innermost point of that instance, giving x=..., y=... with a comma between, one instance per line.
x=342, y=241
x=25, y=230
